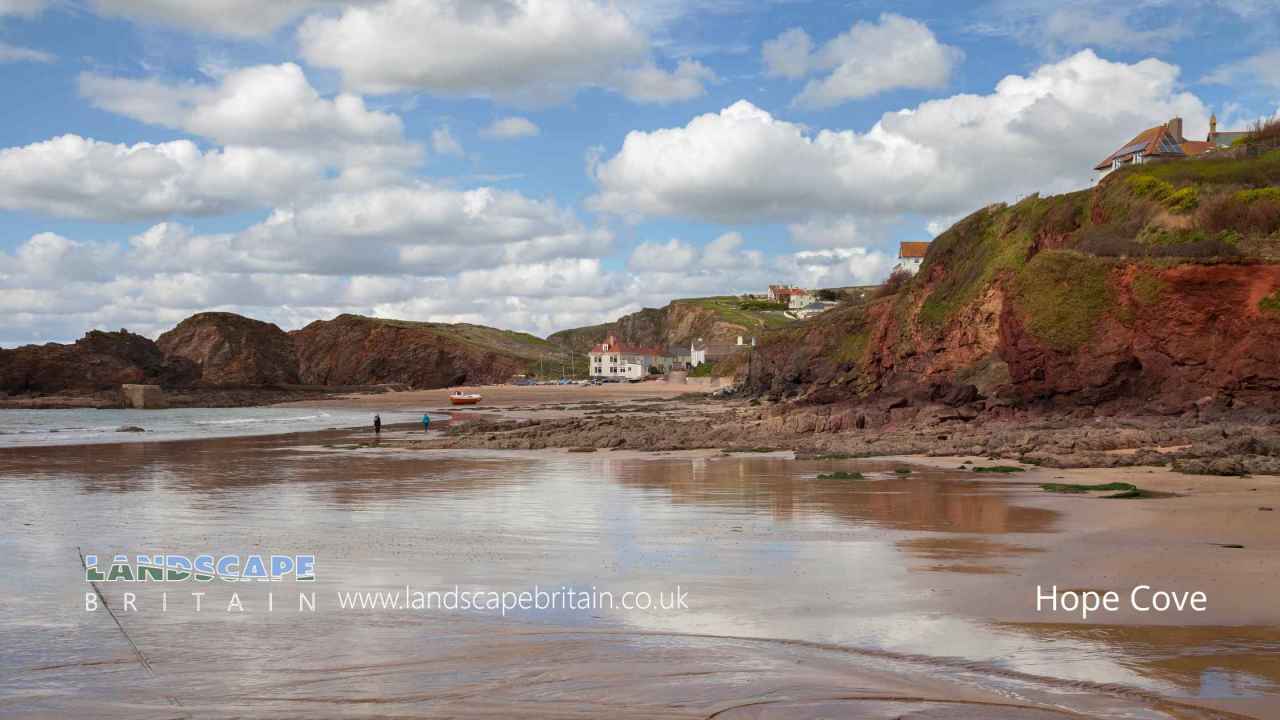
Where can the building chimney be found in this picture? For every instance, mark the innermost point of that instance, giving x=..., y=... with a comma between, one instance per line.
x=1175, y=129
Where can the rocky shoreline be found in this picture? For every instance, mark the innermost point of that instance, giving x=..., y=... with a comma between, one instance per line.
x=1209, y=443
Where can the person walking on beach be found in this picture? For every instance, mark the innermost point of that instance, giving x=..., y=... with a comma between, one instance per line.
x=426, y=422
x=377, y=424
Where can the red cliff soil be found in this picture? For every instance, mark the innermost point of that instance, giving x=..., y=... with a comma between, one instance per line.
x=99, y=361
x=354, y=350
x=1176, y=338
x=231, y=350
x=1202, y=339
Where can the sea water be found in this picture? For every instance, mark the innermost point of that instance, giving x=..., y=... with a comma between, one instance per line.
x=29, y=428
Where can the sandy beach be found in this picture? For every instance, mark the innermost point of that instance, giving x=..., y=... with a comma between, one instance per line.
x=911, y=591
x=539, y=398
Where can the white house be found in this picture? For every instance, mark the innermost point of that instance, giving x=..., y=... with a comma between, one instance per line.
x=614, y=359
x=814, y=308
x=800, y=298
x=910, y=256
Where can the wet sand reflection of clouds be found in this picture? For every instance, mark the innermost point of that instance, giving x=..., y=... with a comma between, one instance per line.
x=811, y=587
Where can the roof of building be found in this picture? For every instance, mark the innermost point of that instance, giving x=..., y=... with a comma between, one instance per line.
x=1195, y=147
x=778, y=290
x=912, y=249
x=622, y=348
x=1152, y=141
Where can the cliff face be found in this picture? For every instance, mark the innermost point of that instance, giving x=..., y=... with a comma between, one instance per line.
x=1163, y=301
x=211, y=354
x=98, y=361
x=716, y=319
x=232, y=350
x=354, y=350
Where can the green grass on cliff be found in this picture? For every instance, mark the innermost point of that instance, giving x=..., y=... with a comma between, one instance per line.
x=1063, y=295
x=1148, y=288
x=751, y=314
x=853, y=346
x=651, y=325
x=1270, y=304
x=530, y=349
x=1261, y=171
x=994, y=240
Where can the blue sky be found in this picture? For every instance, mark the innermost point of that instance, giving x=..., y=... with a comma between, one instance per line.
x=541, y=164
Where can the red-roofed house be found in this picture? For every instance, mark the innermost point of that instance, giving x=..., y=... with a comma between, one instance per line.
x=615, y=359
x=1165, y=142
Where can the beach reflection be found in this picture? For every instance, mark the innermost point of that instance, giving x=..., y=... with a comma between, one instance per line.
x=823, y=589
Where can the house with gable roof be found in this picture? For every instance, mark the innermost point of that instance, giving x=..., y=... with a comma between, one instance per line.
x=624, y=361
x=1166, y=142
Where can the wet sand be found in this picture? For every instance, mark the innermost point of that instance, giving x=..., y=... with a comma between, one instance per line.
x=901, y=595
x=538, y=400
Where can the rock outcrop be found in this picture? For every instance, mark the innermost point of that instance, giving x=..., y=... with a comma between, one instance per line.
x=717, y=320
x=230, y=350
x=222, y=359
x=355, y=350
x=1111, y=299
x=99, y=361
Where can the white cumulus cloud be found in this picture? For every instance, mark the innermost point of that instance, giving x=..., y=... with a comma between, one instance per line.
x=1039, y=132
x=868, y=59
x=76, y=177
x=673, y=255
x=268, y=106
x=531, y=49
x=245, y=18
x=1262, y=68
x=650, y=83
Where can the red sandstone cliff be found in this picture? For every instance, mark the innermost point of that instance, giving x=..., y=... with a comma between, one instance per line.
x=232, y=350
x=355, y=350
x=1123, y=295
x=98, y=361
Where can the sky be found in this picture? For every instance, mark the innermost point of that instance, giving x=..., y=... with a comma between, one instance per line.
x=544, y=164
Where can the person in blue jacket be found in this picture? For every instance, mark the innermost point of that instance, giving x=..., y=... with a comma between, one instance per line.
x=426, y=422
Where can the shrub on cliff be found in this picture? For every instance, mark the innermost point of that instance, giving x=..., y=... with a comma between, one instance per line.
x=1248, y=212
x=1270, y=304
x=1264, y=132
x=897, y=280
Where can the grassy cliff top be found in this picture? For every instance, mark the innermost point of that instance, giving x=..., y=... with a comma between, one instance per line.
x=480, y=338
x=1058, y=252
